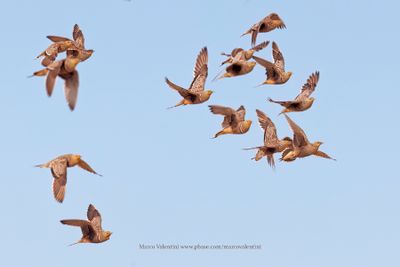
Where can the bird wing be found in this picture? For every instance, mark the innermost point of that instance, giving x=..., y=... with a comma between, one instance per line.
x=254, y=32
x=83, y=164
x=182, y=91
x=227, y=112
x=278, y=57
x=200, y=72
x=71, y=89
x=78, y=37
x=94, y=217
x=269, y=66
x=54, y=70
x=309, y=87
x=85, y=226
x=260, y=46
x=299, y=137
x=59, y=171
x=270, y=135
x=56, y=39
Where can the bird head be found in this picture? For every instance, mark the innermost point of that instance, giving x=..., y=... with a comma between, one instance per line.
x=87, y=54
x=208, y=94
x=249, y=53
x=107, y=235
x=246, y=125
x=75, y=159
x=251, y=64
x=317, y=144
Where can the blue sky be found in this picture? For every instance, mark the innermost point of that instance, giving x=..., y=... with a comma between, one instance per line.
x=165, y=180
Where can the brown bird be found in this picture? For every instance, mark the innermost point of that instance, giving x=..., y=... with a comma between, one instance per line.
x=75, y=47
x=234, y=122
x=65, y=69
x=301, y=146
x=272, y=144
x=58, y=167
x=267, y=24
x=196, y=93
x=241, y=54
x=275, y=72
x=92, y=232
x=237, y=68
x=303, y=101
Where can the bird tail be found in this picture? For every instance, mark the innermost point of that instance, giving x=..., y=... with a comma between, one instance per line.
x=78, y=242
x=259, y=84
x=44, y=165
x=246, y=32
x=271, y=161
x=251, y=148
x=177, y=105
x=218, y=76
x=42, y=72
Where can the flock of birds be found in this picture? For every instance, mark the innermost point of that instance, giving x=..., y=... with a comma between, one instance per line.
x=239, y=63
x=234, y=122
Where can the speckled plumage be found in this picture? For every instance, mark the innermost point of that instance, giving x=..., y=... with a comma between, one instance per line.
x=272, y=144
x=65, y=69
x=196, y=94
x=74, y=48
x=303, y=101
x=234, y=120
x=301, y=146
x=58, y=167
x=267, y=24
x=241, y=54
x=275, y=72
x=92, y=231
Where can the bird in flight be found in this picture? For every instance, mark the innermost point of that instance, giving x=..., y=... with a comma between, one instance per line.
x=92, y=231
x=60, y=44
x=66, y=70
x=272, y=144
x=58, y=167
x=301, y=146
x=275, y=72
x=234, y=120
x=241, y=54
x=303, y=101
x=196, y=94
x=267, y=24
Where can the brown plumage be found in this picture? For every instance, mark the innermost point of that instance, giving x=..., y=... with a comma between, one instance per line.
x=65, y=69
x=267, y=24
x=301, y=146
x=58, y=167
x=234, y=120
x=237, y=68
x=241, y=54
x=275, y=72
x=75, y=47
x=92, y=231
x=196, y=93
x=272, y=144
x=303, y=101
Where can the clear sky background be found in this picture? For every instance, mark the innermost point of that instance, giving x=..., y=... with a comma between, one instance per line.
x=165, y=180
